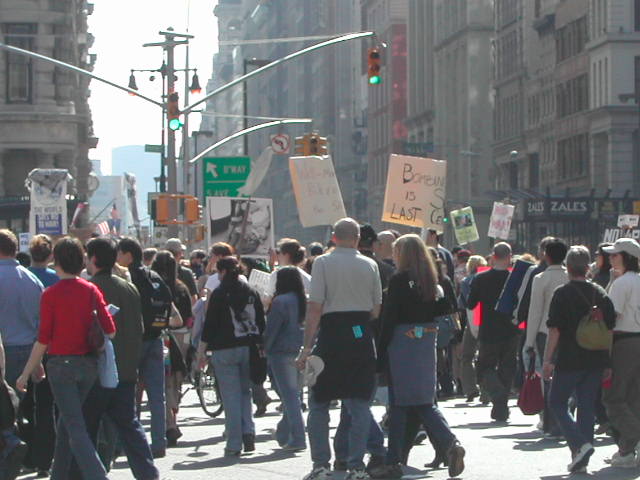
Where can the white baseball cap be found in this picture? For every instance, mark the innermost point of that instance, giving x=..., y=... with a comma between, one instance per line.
x=627, y=245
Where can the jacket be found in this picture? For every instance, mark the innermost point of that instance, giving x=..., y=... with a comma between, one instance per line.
x=542, y=288
x=284, y=331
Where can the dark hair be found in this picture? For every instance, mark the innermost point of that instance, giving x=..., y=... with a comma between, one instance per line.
x=221, y=249
x=456, y=249
x=435, y=255
x=40, y=248
x=629, y=262
x=231, y=267
x=556, y=250
x=132, y=246
x=288, y=279
x=292, y=247
x=606, y=260
x=164, y=264
x=315, y=249
x=24, y=259
x=308, y=265
x=68, y=254
x=250, y=263
x=368, y=236
x=8, y=243
x=105, y=252
x=200, y=254
x=148, y=254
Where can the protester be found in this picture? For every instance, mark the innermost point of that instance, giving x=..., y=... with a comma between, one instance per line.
x=235, y=319
x=460, y=272
x=345, y=295
x=573, y=370
x=282, y=342
x=218, y=251
x=600, y=271
x=622, y=399
x=156, y=301
x=408, y=352
x=197, y=262
x=315, y=249
x=148, y=254
x=185, y=275
x=289, y=252
x=384, y=247
x=65, y=320
x=498, y=337
x=433, y=240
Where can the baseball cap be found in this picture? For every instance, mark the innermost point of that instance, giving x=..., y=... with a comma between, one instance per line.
x=174, y=245
x=627, y=245
x=313, y=368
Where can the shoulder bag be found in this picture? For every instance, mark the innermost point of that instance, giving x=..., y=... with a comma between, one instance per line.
x=592, y=333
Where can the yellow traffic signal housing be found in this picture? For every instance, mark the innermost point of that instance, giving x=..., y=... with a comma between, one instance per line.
x=317, y=145
x=302, y=146
x=374, y=66
x=192, y=211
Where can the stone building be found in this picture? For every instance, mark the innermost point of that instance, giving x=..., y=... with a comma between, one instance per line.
x=45, y=120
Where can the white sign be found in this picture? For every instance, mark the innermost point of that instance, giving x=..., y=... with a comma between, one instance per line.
x=260, y=281
x=628, y=221
x=500, y=222
x=48, y=213
x=317, y=191
x=244, y=223
x=415, y=192
x=280, y=143
x=25, y=238
x=613, y=234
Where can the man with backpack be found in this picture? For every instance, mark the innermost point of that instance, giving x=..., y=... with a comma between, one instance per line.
x=156, y=300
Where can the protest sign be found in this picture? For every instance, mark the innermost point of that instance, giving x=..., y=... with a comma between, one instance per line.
x=260, y=281
x=316, y=189
x=48, y=188
x=464, y=225
x=24, y=238
x=415, y=192
x=628, y=221
x=244, y=223
x=500, y=223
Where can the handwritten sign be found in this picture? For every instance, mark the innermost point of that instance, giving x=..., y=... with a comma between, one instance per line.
x=317, y=191
x=464, y=225
x=500, y=222
x=24, y=238
x=260, y=281
x=628, y=221
x=415, y=192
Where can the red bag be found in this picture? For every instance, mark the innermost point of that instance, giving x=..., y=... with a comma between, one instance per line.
x=531, y=399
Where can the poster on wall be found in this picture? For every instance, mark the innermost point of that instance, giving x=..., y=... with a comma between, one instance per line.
x=464, y=225
x=48, y=213
x=415, y=192
x=244, y=223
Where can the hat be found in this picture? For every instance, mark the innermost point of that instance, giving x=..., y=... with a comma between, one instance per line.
x=174, y=245
x=313, y=368
x=463, y=254
x=627, y=245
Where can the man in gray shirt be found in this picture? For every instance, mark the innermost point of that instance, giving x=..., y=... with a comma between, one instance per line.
x=345, y=296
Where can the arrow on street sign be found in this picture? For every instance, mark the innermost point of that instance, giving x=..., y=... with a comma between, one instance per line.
x=212, y=168
x=223, y=176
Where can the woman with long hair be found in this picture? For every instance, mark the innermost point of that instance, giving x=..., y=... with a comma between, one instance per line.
x=407, y=350
x=283, y=339
x=601, y=272
x=66, y=316
x=234, y=321
x=290, y=253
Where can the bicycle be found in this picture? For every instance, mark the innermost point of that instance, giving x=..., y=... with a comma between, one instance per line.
x=206, y=386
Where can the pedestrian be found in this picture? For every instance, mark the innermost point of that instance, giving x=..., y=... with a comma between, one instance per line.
x=498, y=337
x=573, y=370
x=118, y=405
x=384, y=247
x=235, y=319
x=600, y=271
x=65, y=319
x=156, y=301
x=179, y=340
x=407, y=350
x=282, y=342
x=460, y=259
x=148, y=254
x=289, y=252
x=622, y=399
x=433, y=239
x=185, y=275
x=345, y=296
x=218, y=251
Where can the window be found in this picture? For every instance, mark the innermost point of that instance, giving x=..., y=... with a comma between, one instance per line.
x=534, y=170
x=573, y=156
x=571, y=39
x=19, y=70
x=573, y=96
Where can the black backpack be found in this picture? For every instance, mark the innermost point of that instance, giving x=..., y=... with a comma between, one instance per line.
x=156, y=302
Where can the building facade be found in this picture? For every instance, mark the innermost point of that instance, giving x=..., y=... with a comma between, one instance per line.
x=45, y=120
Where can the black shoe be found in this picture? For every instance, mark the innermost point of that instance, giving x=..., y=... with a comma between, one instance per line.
x=456, y=459
x=260, y=410
x=13, y=462
x=387, y=471
x=340, y=465
x=421, y=437
x=249, y=442
x=159, y=453
x=437, y=461
x=173, y=434
x=472, y=396
x=375, y=461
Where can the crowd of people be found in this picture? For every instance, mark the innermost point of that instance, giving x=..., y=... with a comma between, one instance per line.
x=399, y=318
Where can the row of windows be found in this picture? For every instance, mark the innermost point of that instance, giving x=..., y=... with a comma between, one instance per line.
x=573, y=156
x=573, y=96
x=507, y=117
x=509, y=54
x=571, y=39
x=506, y=11
x=539, y=106
x=19, y=67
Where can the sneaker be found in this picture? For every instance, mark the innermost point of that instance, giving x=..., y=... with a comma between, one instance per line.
x=340, y=465
x=421, y=437
x=358, y=474
x=581, y=458
x=249, y=442
x=319, y=473
x=623, y=461
x=455, y=454
x=13, y=462
x=391, y=472
x=375, y=461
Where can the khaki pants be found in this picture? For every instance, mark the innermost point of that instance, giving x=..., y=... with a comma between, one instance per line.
x=623, y=398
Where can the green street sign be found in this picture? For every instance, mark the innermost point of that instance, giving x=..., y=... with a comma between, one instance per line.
x=153, y=148
x=223, y=176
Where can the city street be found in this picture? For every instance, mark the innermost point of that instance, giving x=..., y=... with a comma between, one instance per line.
x=493, y=451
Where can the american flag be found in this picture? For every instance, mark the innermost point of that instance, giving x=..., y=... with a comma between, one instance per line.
x=103, y=228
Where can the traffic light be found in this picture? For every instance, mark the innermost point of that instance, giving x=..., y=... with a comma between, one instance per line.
x=162, y=209
x=317, y=145
x=303, y=148
x=374, y=61
x=173, y=112
x=192, y=210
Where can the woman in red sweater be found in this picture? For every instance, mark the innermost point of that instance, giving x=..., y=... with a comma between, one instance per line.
x=65, y=317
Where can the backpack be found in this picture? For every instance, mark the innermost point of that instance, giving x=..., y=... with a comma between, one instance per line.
x=592, y=333
x=156, y=301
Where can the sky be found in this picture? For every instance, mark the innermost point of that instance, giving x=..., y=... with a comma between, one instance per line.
x=120, y=28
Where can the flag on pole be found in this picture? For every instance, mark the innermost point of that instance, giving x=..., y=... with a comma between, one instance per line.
x=79, y=208
x=103, y=228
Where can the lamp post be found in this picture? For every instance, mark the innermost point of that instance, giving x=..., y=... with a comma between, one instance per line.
x=245, y=96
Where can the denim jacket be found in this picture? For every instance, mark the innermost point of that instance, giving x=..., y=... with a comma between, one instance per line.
x=284, y=330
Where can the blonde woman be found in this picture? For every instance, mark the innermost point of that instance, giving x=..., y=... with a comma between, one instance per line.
x=407, y=352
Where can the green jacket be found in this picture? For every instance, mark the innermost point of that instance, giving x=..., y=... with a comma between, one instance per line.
x=129, y=327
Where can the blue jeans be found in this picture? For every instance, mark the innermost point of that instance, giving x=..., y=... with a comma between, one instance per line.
x=152, y=374
x=318, y=429
x=585, y=384
x=433, y=421
x=71, y=378
x=290, y=429
x=231, y=366
x=375, y=439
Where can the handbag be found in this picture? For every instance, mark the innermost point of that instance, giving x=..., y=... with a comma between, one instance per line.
x=531, y=399
x=95, y=335
x=257, y=361
x=107, y=367
x=592, y=333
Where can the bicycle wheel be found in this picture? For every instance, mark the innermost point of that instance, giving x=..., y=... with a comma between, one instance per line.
x=208, y=392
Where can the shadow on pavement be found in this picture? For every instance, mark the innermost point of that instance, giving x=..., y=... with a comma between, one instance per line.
x=221, y=462
x=487, y=425
x=608, y=473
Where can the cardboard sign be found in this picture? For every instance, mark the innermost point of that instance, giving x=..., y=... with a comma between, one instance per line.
x=260, y=281
x=317, y=191
x=464, y=225
x=415, y=192
x=500, y=223
x=24, y=239
x=628, y=221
